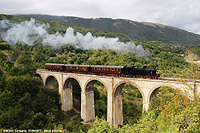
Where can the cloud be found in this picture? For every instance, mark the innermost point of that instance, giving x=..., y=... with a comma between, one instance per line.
x=195, y=27
x=176, y=13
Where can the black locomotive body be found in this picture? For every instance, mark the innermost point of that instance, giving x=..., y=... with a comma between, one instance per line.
x=100, y=69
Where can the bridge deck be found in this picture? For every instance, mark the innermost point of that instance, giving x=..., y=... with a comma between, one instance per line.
x=128, y=76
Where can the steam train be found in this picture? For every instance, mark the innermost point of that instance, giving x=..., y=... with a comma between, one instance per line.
x=106, y=70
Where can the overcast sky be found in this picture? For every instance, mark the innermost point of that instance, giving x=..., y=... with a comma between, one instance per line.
x=184, y=14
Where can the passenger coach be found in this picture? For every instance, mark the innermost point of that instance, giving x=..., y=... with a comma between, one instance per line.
x=55, y=66
x=77, y=68
x=107, y=69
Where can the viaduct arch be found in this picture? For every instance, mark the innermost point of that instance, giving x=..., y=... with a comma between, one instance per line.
x=113, y=85
x=154, y=90
x=117, y=100
x=51, y=81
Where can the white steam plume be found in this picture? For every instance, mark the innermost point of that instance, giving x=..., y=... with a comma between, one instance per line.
x=30, y=31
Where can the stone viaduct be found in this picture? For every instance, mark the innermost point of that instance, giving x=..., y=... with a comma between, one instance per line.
x=114, y=85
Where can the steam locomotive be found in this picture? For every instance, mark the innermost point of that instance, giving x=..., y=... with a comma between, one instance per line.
x=100, y=69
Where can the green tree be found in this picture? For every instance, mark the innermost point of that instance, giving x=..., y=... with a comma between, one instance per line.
x=24, y=59
x=26, y=104
x=103, y=126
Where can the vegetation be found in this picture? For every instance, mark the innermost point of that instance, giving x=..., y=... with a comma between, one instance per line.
x=26, y=104
x=179, y=114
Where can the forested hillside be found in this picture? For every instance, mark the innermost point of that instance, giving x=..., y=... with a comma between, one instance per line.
x=138, y=30
x=25, y=103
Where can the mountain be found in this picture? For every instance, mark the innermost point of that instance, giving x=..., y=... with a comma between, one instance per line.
x=138, y=30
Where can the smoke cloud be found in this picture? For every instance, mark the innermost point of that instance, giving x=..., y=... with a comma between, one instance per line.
x=29, y=32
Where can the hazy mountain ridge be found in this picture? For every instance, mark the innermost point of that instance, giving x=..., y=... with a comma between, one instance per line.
x=138, y=30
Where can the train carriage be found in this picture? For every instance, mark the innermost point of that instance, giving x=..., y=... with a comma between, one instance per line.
x=77, y=68
x=54, y=66
x=107, y=69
